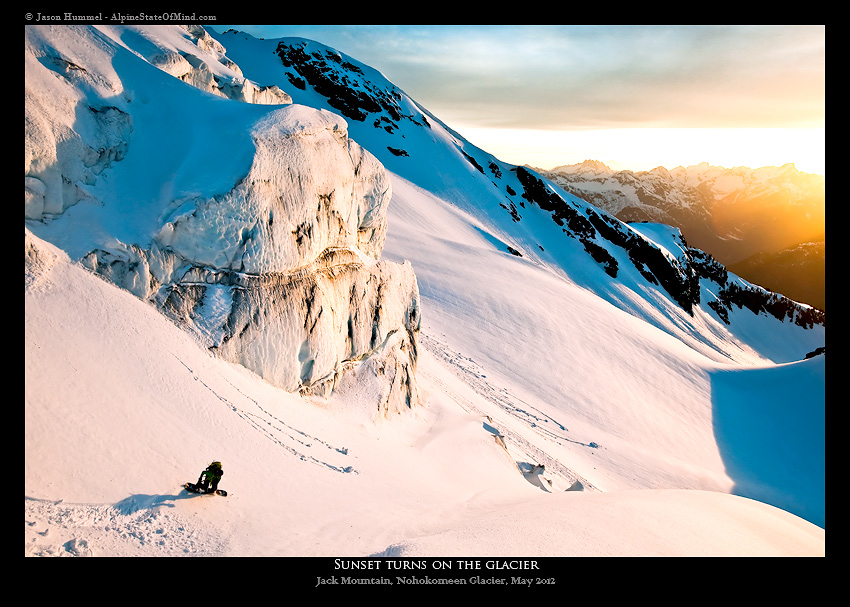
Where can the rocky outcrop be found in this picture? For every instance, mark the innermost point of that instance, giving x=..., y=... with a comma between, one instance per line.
x=594, y=229
x=734, y=213
x=750, y=219
x=348, y=90
x=680, y=276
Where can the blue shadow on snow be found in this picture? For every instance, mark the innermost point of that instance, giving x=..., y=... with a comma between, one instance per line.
x=770, y=426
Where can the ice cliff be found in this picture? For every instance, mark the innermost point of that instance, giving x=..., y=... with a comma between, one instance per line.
x=258, y=225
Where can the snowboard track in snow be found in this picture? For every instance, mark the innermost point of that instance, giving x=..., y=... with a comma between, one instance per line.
x=462, y=367
x=278, y=431
x=147, y=525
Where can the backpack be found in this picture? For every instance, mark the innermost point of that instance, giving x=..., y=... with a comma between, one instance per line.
x=214, y=470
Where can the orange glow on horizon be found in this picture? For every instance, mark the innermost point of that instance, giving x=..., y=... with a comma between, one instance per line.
x=643, y=149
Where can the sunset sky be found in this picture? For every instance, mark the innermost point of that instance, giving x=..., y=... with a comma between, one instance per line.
x=635, y=97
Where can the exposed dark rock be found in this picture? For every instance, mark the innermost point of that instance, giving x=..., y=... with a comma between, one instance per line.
x=297, y=82
x=473, y=162
x=648, y=259
x=759, y=300
x=679, y=277
x=494, y=168
x=511, y=208
x=344, y=85
x=766, y=225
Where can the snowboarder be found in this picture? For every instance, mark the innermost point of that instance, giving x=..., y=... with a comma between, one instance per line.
x=208, y=481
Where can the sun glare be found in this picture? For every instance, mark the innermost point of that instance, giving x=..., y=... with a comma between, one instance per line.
x=639, y=149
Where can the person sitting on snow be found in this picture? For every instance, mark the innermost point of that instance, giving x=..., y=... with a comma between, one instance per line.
x=208, y=481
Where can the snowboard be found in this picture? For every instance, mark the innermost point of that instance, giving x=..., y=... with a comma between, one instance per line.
x=195, y=489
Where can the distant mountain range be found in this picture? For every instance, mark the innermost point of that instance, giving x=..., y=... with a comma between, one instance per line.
x=766, y=224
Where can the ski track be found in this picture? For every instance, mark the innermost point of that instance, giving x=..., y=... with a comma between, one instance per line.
x=148, y=525
x=467, y=370
x=144, y=525
x=278, y=431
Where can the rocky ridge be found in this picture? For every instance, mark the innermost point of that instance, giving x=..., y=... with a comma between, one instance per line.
x=735, y=214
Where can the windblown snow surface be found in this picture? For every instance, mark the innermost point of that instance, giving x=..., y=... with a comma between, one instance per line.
x=122, y=407
x=552, y=422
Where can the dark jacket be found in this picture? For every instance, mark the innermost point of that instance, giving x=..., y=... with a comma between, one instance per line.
x=214, y=472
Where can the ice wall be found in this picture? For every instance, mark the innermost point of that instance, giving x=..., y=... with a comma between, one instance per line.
x=279, y=270
x=294, y=288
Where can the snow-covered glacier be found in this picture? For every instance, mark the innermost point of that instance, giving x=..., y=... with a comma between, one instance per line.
x=259, y=227
x=585, y=386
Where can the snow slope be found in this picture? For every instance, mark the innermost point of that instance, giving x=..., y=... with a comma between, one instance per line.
x=122, y=407
x=553, y=421
x=414, y=144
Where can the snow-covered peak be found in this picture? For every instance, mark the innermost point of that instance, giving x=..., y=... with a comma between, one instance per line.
x=587, y=166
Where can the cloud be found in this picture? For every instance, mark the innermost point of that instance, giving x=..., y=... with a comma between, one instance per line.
x=569, y=77
x=651, y=76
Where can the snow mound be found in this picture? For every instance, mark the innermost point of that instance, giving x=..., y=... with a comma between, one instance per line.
x=636, y=523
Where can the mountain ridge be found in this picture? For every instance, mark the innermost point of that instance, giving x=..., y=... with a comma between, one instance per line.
x=733, y=213
x=380, y=129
